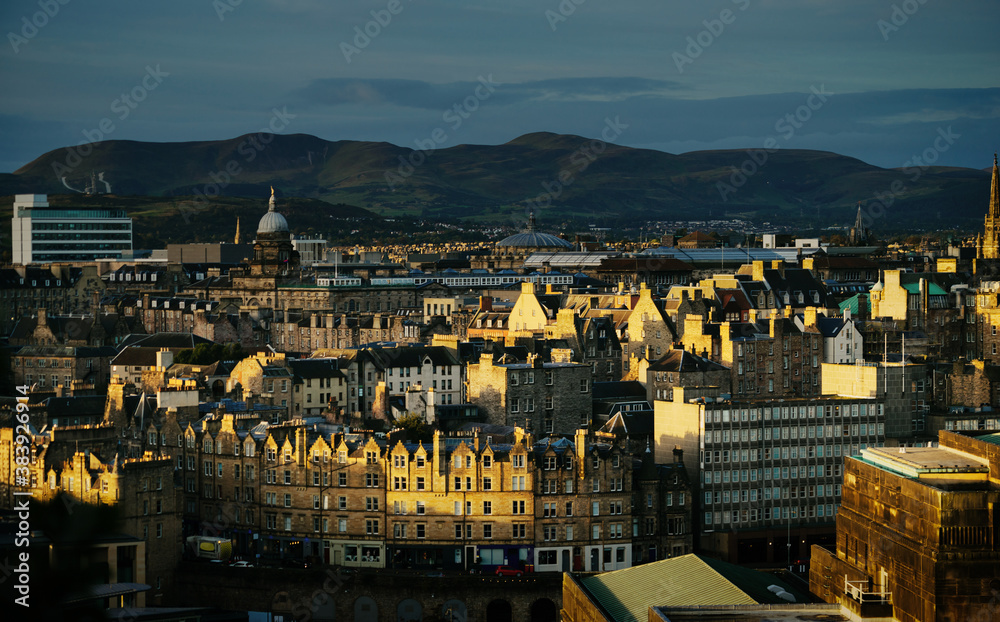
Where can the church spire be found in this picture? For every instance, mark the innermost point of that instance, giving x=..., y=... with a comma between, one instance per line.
x=995, y=191
x=270, y=204
x=237, y=241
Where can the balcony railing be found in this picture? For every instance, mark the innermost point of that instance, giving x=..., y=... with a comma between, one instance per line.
x=856, y=590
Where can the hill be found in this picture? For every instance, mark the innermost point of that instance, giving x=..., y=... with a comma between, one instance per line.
x=561, y=176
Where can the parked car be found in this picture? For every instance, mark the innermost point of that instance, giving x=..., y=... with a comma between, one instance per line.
x=242, y=565
x=508, y=571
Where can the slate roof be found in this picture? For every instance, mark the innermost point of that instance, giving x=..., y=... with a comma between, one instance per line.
x=83, y=406
x=315, y=368
x=683, y=361
x=176, y=340
x=628, y=389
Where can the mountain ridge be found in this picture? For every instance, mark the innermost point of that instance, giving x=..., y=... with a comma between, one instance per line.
x=560, y=175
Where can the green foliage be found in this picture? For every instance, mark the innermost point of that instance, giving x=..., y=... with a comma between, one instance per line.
x=208, y=353
x=415, y=428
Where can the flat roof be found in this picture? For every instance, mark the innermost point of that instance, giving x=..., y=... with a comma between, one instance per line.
x=935, y=463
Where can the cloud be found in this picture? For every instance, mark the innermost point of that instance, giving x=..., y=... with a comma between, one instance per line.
x=431, y=96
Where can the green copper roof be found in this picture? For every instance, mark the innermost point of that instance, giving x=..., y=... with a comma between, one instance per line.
x=933, y=289
x=853, y=303
x=689, y=580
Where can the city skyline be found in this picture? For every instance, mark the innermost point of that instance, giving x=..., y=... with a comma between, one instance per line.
x=691, y=77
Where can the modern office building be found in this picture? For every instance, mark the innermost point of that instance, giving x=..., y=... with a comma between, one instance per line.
x=767, y=473
x=43, y=234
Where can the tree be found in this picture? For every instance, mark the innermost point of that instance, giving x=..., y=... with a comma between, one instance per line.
x=415, y=428
x=208, y=353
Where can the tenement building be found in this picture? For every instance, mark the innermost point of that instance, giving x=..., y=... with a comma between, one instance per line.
x=470, y=501
x=917, y=533
x=767, y=473
x=541, y=397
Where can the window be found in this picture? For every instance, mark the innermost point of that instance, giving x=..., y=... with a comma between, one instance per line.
x=517, y=462
x=371, y=480
x=420, y=483
x=371, y=526
x=518, y=530
x=596, y=509
x=422, y=530
x=371, y=504
x=584, y=385
x=518, y=507
x=487, y=483
x=487, y=530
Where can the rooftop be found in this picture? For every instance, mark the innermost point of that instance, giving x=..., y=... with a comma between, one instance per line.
x=687, y=580
x=936, y=464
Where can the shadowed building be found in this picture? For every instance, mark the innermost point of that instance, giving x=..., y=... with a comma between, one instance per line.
x=917, y=533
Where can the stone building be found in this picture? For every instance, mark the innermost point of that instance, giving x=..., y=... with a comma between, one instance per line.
x=540, y=397
x=78, y=370
x=772, y=357
x=678, y=368
x=61, y=289
x=916, y=533
x=142, y=488
x=973, y=385
x=926, y=303
x=591, y=340
x=649, y=330
x=988, y=247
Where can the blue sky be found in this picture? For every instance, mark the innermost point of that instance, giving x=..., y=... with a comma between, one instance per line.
x=683, y=75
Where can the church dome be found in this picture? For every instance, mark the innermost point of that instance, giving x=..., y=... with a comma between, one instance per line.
x=533, y=239
x=272, y=221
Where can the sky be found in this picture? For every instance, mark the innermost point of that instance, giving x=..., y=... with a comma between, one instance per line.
x=885, y=81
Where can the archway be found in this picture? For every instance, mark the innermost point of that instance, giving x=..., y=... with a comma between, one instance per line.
x=544, y=610
x=454, y=611
x=409, y=610
x=499, y=611
x=365, y=610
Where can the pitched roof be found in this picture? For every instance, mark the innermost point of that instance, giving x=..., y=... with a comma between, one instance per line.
x=683, y=361
x=689, y=580
x=165, y=340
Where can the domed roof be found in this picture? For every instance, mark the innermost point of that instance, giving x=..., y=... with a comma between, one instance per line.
x=533, y=239
x=272, y=222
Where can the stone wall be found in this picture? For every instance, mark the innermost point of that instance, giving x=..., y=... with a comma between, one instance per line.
x=326, y=594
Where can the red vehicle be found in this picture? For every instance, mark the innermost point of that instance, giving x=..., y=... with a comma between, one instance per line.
x=507, y=571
